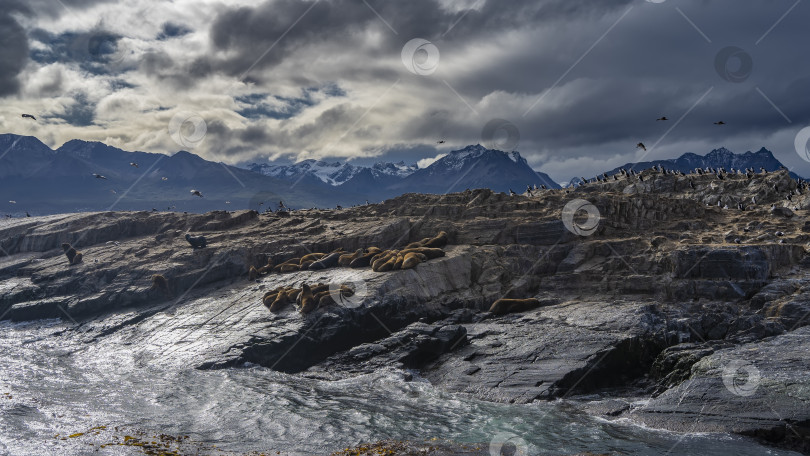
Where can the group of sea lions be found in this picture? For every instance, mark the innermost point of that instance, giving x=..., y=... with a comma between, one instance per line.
x=379, y=260
x=307, y=298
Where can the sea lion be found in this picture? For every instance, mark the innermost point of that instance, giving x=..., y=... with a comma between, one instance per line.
x=72, y=255
x=329, y=261
x=398, y=263
x=413, y=245
x=308, y=302
x=437, y=242
x=312, y=257
x=269, y=297
x=160, y=283
x=412, y=259
x=326, y=300
x=280, y=302
x=365, y=259
x=505, y=306
x=347, y=258
x=381, y=259
x=197, y=242
x=266, y=268
x=388, y=265
x=285, y=268
x=306, y=265
x=431, y=253
x=253, y=273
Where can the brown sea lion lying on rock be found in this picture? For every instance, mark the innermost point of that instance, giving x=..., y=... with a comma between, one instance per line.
x=72, y=255
x=435, y=242
x=505, y=306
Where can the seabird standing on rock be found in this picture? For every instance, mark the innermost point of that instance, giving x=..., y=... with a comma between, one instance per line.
x=511, y=193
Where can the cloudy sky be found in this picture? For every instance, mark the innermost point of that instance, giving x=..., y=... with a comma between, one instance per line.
x=581, y=81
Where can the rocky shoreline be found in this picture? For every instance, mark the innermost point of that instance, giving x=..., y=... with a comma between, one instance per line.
x=699, y=310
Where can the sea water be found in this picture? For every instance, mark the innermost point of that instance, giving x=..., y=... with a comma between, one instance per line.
x=60, y=398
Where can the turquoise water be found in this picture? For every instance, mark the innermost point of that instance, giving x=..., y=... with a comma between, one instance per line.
x=49, y=388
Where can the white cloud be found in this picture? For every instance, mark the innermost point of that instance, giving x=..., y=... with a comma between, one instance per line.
x=425, y=162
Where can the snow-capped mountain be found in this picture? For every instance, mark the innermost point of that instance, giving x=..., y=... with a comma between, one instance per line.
x=474, y=166
x=335, y=173
x=331, y=173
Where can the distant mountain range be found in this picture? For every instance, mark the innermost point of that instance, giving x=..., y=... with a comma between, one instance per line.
x=718, y=158
x=471, y=167
x=39, y=180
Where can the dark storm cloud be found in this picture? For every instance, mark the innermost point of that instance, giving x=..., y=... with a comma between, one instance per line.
x=250, y=31
x=13, y=47
x=81, y=112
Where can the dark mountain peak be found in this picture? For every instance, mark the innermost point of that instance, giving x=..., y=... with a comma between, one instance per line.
x=20, y=141
x=720, y=154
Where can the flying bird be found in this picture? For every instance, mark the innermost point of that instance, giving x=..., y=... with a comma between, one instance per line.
x=164, y=178
x=440, y=142
x=12, y=202
x=29, y=116
x=99, y=176
x=641, y=146
x=720, y=123
x=663, y=118
x=133, y=164
x=196, y=193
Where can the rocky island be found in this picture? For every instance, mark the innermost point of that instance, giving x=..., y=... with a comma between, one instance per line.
x=672, y=301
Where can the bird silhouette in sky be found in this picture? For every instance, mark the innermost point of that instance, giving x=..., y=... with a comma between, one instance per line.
x=164, y=178
x=133, y=164
x=662, y=118
x=720, y=123
x=641, y=146
x=99, y=176
x=196, y=193
x=29, y=116
x=440, y=142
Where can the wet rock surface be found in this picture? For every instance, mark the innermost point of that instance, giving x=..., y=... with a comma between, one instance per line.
x=666, y=293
